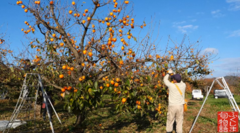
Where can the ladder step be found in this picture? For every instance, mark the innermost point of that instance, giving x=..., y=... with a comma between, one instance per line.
x=15, y=121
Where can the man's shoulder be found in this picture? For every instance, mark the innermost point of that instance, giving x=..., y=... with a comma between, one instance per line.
x=182, y=83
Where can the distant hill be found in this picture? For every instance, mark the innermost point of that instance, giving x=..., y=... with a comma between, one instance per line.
x=232, y=80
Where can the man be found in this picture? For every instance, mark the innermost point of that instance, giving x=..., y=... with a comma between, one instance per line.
x=175, y=101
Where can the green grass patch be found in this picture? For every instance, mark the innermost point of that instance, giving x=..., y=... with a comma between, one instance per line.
x=220, y=104
x=220, y=101
x=190, y=118
x=205, y=120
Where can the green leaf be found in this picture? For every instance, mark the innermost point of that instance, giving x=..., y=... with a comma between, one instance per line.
x=128, y=82
x=197, y=61
x=152, y=64
x=105, y=89
x=152, y=109
x=80, y=106
x=94, y=89
x=79, y=85
x=12, y=70
x=102, y=104
x=186, y=72
x=135, y=39
x=69, y=109
x=166, y=65
x=158, y=68
x=117, y=106
x=107, y=29
x=90, y=83
x=129, y=32
x=149, y=78
x=96, y=85
x=37, y=41
x=134, y=93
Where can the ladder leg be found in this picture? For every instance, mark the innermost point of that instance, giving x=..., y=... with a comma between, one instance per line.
x=231, y=98
x=53, y=108
x=201, y=108
x=18, y=106
x=45, y=101
x=40, y=82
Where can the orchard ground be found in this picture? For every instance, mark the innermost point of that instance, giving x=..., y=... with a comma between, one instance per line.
x=105, y=121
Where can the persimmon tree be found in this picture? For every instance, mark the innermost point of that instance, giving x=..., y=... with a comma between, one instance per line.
x=87, y=50
x=10, y=75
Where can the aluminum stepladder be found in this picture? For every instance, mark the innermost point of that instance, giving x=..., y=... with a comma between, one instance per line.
x=231, y=99
x=24, y=96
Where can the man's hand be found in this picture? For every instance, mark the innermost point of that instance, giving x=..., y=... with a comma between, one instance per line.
x=170, y=71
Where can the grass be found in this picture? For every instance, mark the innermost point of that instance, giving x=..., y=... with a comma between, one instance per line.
x=220, y=104
x=104, y=121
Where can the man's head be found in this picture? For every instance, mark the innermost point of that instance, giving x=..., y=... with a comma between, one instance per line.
x=176, y=78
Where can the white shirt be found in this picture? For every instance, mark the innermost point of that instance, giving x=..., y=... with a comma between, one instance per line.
x=175, y=98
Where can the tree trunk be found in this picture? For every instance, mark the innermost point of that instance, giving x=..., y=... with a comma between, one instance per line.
x=79, y=122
